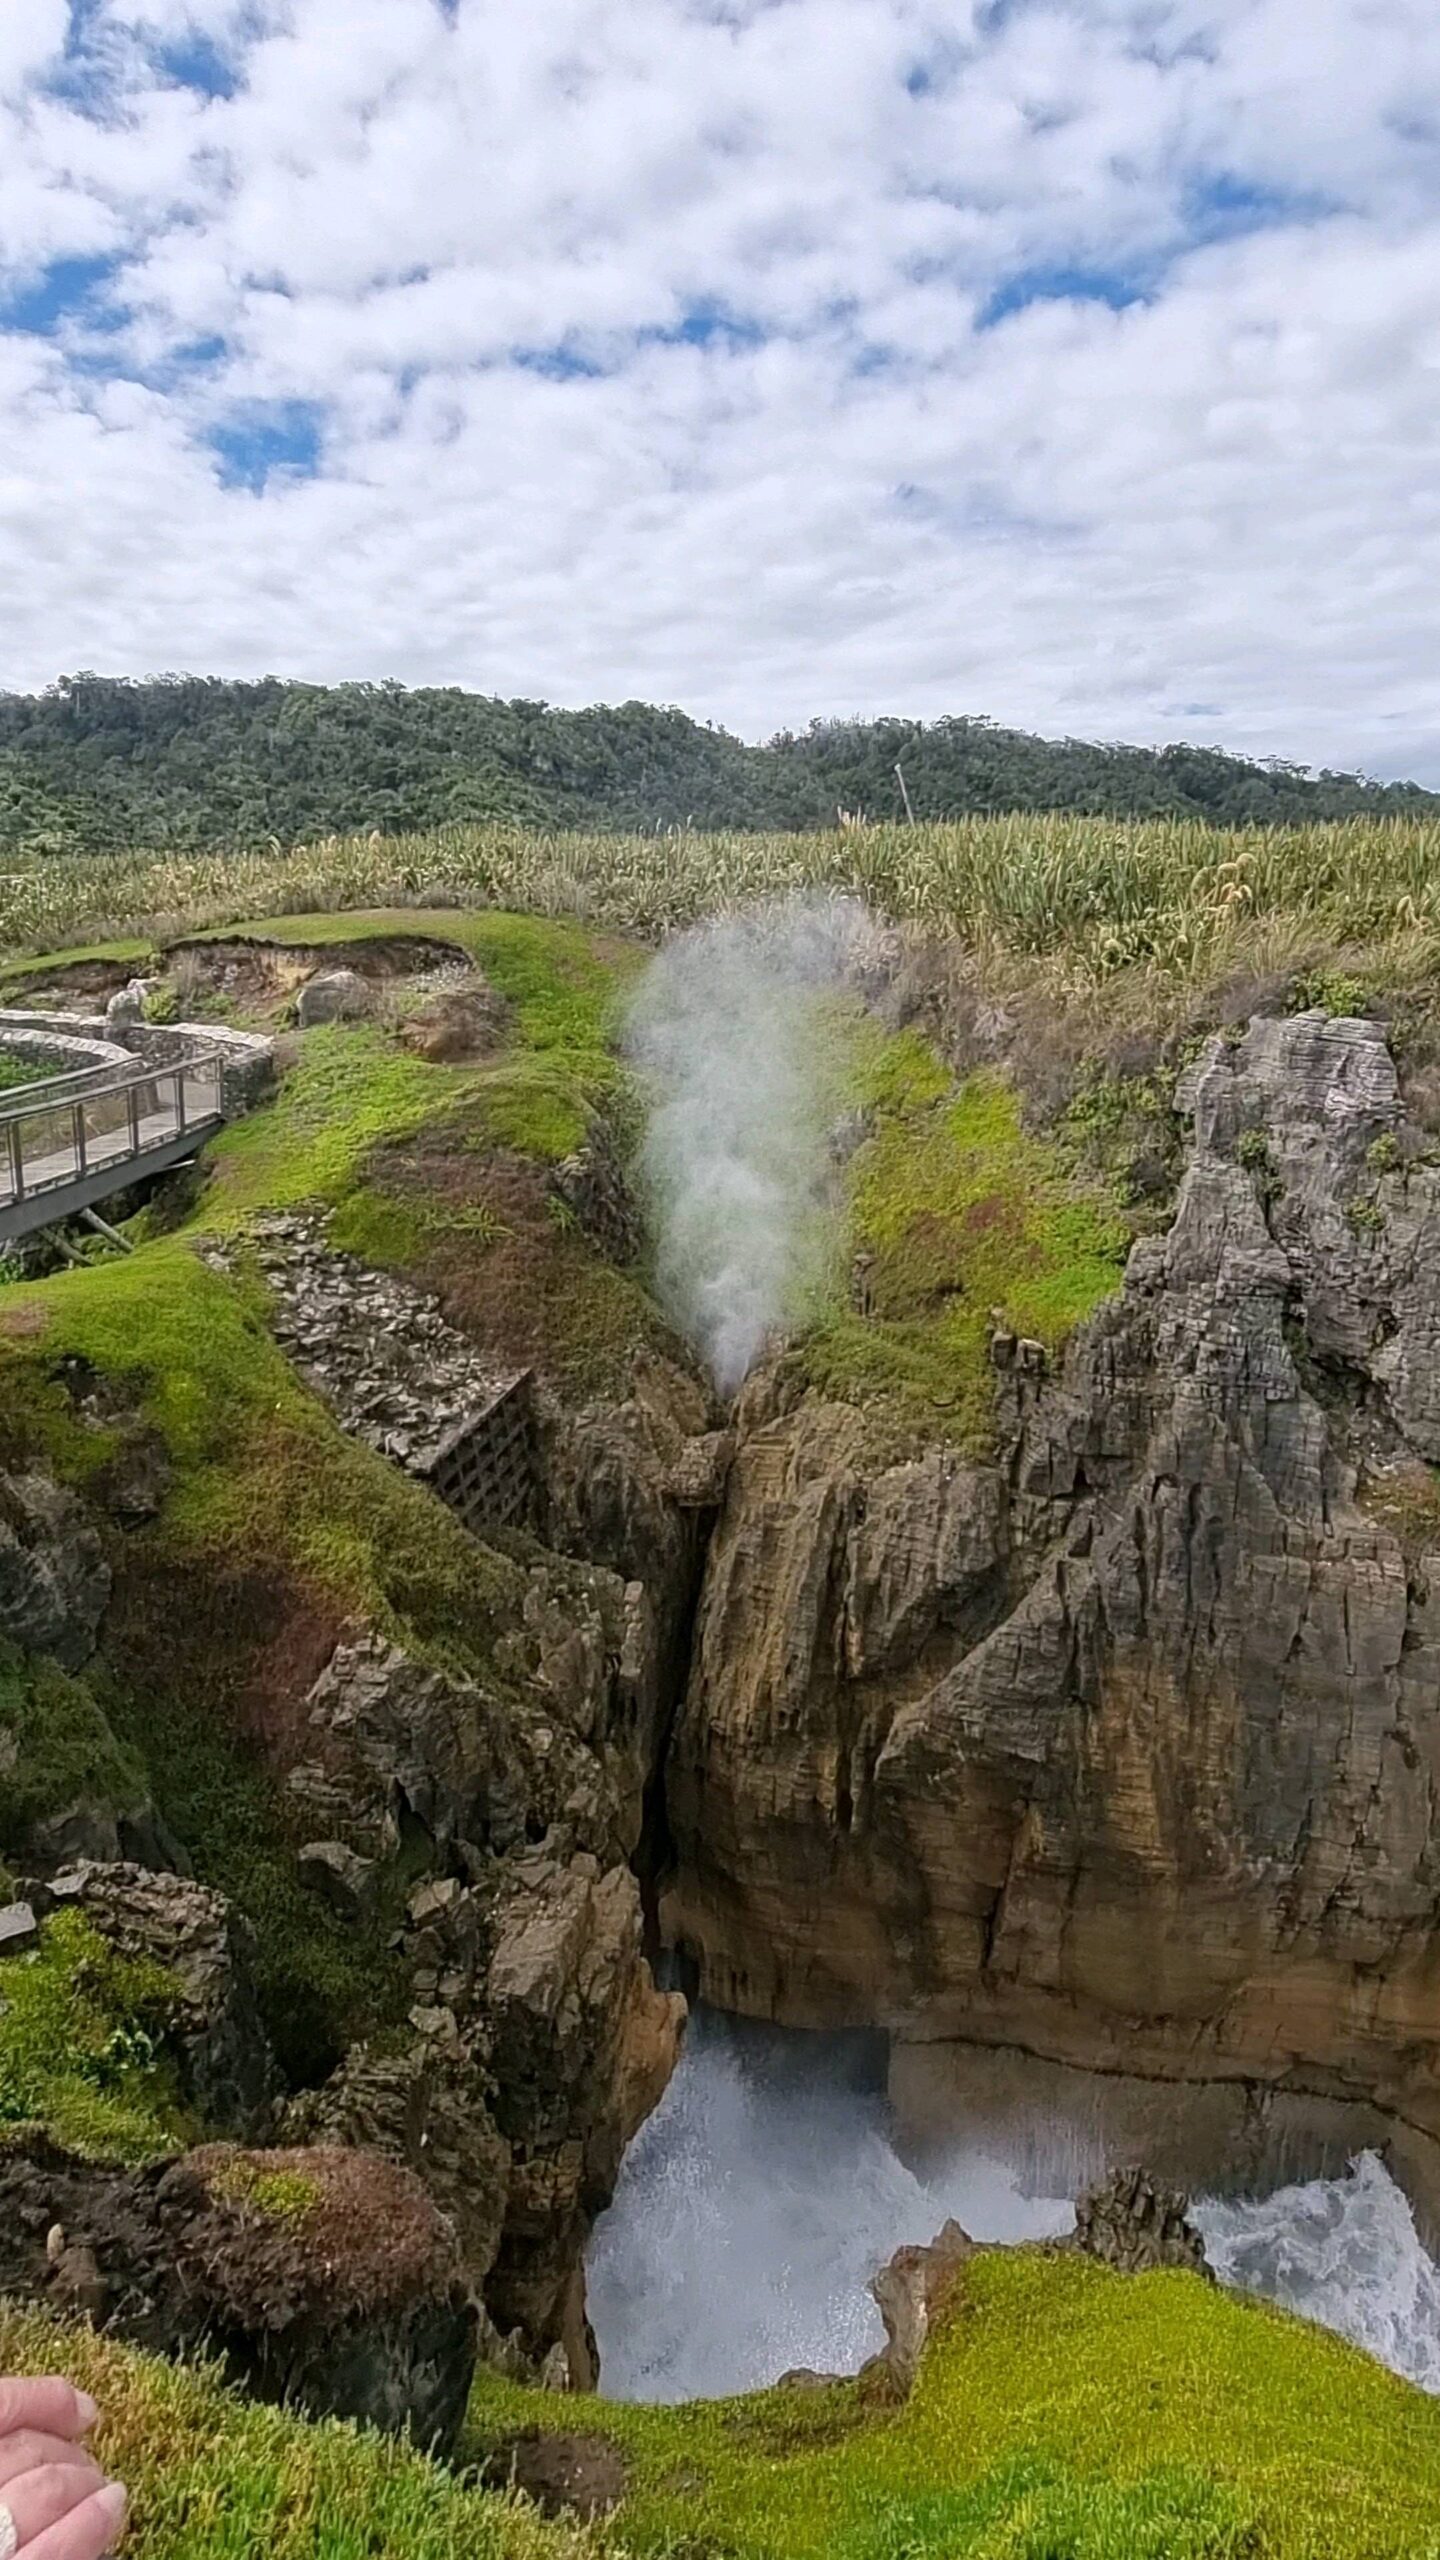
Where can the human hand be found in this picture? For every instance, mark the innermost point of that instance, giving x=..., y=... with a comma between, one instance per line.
x=55, y=2502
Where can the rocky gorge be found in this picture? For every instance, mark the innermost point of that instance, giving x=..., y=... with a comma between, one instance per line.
x=1090, y=1759
x=1120, y=1749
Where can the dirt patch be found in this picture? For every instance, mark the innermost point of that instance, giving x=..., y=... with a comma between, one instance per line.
x=459, y=1024
x=347, y=2227
x=90, y=981
x=564, y=2475
x=21, y=1324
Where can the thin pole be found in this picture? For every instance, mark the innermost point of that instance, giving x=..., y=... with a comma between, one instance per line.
x=904, y=790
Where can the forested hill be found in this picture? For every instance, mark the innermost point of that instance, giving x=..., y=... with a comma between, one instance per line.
x=194, y=763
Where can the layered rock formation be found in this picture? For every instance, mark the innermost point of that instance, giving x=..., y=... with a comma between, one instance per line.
x=1122, y=1749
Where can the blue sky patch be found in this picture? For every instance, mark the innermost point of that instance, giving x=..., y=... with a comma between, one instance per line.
x=1225, y=206
x=198, y=64
x=70, y=289
x=707, y=323
x=562, y=363
x=267, y=438
x=1059, y=284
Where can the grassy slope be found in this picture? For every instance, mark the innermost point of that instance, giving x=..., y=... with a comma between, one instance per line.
x=212, y=2479
x=81, y=2037
x=1064, y=2413
x=275, y=1530
x=402, y=1151
x=956, y=1213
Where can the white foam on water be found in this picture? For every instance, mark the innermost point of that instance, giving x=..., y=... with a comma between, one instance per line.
x=753, y=2210
x=764, y=2193
x=1343, y=2251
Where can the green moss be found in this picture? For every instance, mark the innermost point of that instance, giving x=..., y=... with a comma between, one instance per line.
x=281, y=2195
x=1383, y=1154
x=212, y=2477
x=1366, y=1217
x=563, y=984
x=58, y=1748
x=958, y=1217
x=16, y=1073
x=534, y=1107
x=1063, y=2413
x=354, y=1089
x=81, y=2036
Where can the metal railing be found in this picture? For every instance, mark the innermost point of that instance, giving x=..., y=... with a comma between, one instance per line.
x=52, y=1136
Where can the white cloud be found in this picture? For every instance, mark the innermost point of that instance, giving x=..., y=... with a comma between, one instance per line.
x=1209, y=513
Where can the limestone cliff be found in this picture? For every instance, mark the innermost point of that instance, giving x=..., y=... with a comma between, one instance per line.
x=1121, y=1749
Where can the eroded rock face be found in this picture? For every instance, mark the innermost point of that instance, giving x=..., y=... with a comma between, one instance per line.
x=54, y=1580
x=1131, y=2223
x=1122, y=1750
x=583, y=2046
x=538, y=2043
x=327, y=2279
x=910, y=2294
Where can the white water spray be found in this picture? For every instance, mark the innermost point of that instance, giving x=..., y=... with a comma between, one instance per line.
x=765, y=2193
x=1343, y=2251
x=735, y=1155
x=753, y=2210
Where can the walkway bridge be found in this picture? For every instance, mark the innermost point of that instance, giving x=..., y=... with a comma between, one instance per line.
x=68, y=1142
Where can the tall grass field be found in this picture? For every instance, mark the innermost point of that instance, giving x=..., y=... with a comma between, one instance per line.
x=1091, y=896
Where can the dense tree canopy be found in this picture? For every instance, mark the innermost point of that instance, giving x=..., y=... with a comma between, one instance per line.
x=192, y=763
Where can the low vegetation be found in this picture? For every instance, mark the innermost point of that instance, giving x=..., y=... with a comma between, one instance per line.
x=82, y=2032
x=1088, y=901
x=214, y=2479
x=57, y=1748
x=273, y=1531
x=1062, y=2413
x=958, y=1221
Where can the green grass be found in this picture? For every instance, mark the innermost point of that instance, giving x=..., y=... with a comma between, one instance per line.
x=1063, y=2413
x=212, y=2478
x=956, y=1215
x=351, y=1090
x=281, y=2195
x=562, y=987
x=130, y=952
x=81, y=2046
x=59, y=1749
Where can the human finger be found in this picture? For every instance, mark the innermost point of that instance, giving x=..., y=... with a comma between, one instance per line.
x=50, y=2406
x=87, y=2533
x=29, y=2451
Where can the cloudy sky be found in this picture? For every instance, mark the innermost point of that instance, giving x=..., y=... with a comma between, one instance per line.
x=1077, y=361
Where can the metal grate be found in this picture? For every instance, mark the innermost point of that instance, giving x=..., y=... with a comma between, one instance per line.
x=487, y=1472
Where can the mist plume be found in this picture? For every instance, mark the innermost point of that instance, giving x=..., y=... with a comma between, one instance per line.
x=736, y=1147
